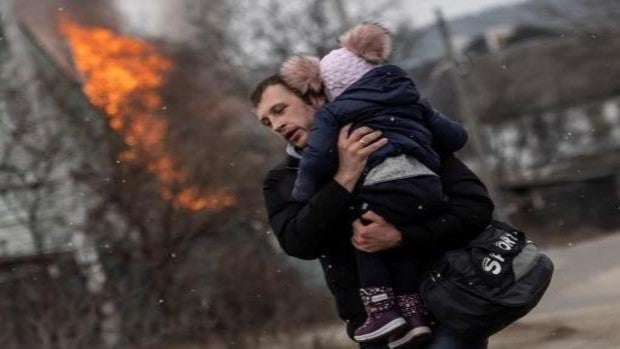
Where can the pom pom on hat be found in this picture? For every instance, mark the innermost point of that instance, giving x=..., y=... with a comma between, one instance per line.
x=371, y=41
x=302, y=73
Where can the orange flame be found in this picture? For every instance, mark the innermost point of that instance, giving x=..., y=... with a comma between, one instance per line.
x=122, y=77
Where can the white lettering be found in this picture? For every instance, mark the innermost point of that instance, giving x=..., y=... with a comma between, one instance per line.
x=506, y=242
x=492, y=266
x=510, y=236
x=506, y=238
x=497, y=256
x=503, y=245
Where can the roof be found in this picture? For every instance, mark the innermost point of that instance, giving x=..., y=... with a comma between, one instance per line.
x=38, y=259
x=530, y=77
x=545, y=74
x=579, y=168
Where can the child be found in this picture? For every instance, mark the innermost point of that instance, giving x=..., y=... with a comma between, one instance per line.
x=399, y=182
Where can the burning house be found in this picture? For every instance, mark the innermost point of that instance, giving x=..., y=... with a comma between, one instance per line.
x=89, y=170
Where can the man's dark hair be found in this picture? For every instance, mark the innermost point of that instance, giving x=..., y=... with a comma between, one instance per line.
x=260, y=88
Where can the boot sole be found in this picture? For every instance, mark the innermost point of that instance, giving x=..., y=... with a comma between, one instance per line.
x=417, y=335
x=382, y=331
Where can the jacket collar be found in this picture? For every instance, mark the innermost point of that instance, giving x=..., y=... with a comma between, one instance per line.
x=294, y=155
x=292, y=151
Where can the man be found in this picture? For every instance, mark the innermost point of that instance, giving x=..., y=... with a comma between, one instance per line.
x=320, y=229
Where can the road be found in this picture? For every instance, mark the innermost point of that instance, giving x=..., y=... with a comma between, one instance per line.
x=582, y=306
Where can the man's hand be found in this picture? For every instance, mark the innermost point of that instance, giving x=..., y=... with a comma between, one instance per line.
x=371, y=233
x=353, y=153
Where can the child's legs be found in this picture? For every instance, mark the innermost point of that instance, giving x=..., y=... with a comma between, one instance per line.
x=396, y=268
x=404, y=270
x=404, y=200
x=372, y=270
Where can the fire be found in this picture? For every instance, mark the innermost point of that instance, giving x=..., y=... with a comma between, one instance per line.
x=122, y=76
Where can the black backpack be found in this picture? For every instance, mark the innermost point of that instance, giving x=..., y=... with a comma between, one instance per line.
x=487, y=285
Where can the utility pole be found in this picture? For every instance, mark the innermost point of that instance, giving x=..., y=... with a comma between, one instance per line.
x=469, y=118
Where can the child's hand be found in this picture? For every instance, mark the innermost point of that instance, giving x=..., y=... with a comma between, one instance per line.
x=372, y=233
x=353, y=153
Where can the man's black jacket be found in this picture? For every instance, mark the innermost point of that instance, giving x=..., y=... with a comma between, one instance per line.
x=321, y=228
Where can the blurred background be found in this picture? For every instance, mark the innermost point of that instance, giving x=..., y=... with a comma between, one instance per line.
x=131, y=167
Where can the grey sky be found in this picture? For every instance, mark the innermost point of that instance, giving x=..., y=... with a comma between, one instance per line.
x=422, y=10
x=163, y=18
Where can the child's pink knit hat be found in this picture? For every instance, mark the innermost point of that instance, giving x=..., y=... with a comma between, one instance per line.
x=363, y=48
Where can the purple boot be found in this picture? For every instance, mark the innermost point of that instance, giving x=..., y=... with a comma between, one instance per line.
x=382, y=317
x=418, y=331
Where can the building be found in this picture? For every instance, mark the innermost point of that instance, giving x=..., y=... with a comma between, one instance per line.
x=549, y=106
x=50, y=134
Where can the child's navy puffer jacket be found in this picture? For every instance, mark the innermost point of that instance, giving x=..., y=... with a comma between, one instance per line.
x=383, y=99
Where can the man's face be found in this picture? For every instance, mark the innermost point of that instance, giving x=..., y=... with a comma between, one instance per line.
x=286, y=114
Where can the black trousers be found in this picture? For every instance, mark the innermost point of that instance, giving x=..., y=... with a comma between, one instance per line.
x=400, y=201
x=394, y=268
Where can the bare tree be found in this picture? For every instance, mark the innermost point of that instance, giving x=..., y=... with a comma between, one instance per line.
x=40, y=202
x=37, y=155
x=265, y=32
x=165, y=270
